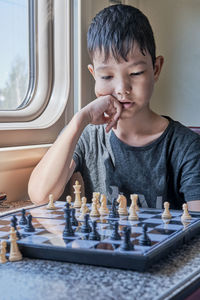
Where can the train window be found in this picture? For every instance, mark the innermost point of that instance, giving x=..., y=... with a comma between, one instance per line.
x=14, y=59
x=44, y=44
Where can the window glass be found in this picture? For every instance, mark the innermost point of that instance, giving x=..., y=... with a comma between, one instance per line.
x=14, y=49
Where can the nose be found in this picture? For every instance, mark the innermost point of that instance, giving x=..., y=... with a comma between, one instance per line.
x=123, y=88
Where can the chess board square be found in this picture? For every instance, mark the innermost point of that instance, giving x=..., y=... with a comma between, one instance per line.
x=82, y=244
x=157, y=237
x=153, y=221
x=4, y=222
x=4, y=235
x=107, y=246
x=33, y=239
x=145, y=216
x=170, y=226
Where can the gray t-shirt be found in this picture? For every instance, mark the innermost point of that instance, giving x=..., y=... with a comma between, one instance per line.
x=168, y=169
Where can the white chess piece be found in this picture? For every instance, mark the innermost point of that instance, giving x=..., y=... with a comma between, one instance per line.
x=15, y=254
x=185, y=216
x=132, y=213
x=51, y=205
x=94, y=210
x=3, y=258
x=134, y=200
x=122, y=210
x=166, y=214
x=103, y=210
x=84, y=209
x=77, y=192
x=97, y=196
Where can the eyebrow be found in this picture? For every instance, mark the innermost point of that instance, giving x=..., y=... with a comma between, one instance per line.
x=140, y=62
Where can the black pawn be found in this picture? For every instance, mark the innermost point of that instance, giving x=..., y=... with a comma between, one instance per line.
x=94, y=235
x=85, y=228
x=68, y=231
x=29, y=226
x=23, y=220
x=115, y=234
x=14, y=224
x=74, y=221
x=144, y=240
x=127, y=245
x=114, y=213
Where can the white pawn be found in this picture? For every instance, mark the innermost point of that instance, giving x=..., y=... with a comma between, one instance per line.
x=185, y=215
x=15, y=254
x=94, y=209
x=122, y=210
x=69, y=200
x=134, y=199
x=166, y=214
x=84, y=209
x=132, y=213
x=77, y=192
x=51, y=205
x=3, y=258
x=97, y=195
x=103, y=208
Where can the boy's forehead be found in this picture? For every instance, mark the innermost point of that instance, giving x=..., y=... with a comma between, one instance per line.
x=134, y=57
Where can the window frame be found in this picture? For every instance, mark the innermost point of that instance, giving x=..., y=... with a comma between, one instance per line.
x=51, y=89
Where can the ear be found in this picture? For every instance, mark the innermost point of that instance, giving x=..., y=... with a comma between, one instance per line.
x=158, y=66
x=91, y=69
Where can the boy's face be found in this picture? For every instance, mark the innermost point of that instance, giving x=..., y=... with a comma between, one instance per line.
x=131, y=82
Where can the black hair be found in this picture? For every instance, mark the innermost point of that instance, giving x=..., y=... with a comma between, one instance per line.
x=114, y=30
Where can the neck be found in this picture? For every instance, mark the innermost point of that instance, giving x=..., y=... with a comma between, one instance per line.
x=142, y=129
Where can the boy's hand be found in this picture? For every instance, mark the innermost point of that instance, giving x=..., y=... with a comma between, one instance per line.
x=104, y=110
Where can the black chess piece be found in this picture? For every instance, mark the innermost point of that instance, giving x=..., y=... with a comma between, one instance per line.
x=85, y=228
x=94, y=235
x=29, y=226
x=144, y=240
x=115, y=234
x=127, y=245
x=23, y=220
x=14, y=224
x=114, y=213
x=68, y=231
x=74, y=221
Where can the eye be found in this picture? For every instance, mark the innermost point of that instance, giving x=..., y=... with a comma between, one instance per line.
x=137, y=73
x=106, y=77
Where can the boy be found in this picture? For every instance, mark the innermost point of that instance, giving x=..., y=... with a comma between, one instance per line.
x=117, y=142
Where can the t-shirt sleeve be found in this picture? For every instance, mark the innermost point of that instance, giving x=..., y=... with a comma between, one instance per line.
x=190, y=172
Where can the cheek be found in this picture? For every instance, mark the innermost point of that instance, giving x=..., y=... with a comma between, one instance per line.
x=102, y=89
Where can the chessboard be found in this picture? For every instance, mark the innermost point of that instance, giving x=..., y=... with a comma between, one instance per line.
x=48, y=239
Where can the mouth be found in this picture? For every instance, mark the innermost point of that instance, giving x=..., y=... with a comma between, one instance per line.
x=126, y=104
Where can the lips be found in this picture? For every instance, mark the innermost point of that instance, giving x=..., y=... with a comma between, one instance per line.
x=126, y=104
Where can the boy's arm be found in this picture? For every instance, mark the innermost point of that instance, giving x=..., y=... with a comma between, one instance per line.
x=56, y=167
x=194, y=205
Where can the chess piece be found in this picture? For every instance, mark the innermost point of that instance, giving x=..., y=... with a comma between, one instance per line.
x=77, y=192
x=94, y=235
x=122, y=210
x=97, y=196
x=29, y=226
x=94, y=210
x=74, y=221
x=85, y=228
x=50, y=205
x=14, y=224
x=113, y=213
x=144, y=240
x=103, y=210
x=68, y=231
x=166, y=214
x=84, y=209
x=3, y=258
x=23, y=220
x=115, y=234
x=69, y=200
x=185, y=216
x=127, y=245
x=15, y=254
x=132, y=213
x=134, y=200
